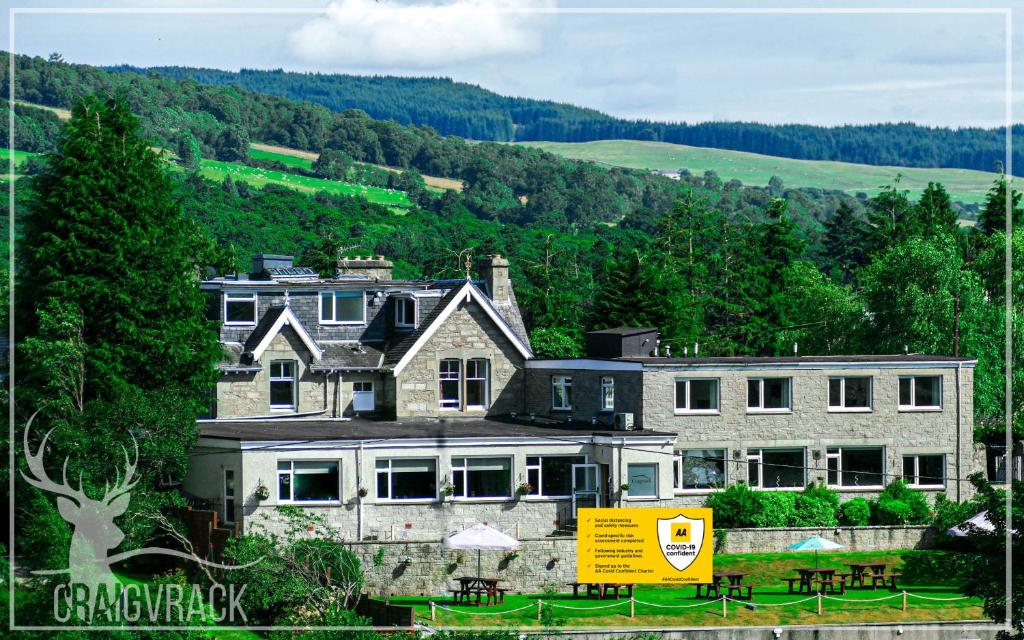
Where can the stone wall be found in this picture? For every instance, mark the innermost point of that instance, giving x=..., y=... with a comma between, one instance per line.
x=552, y=561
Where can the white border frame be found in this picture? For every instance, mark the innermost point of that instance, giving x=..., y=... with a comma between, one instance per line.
x=376, y=473
x=334, y=293
x=1005, y=12
x=911, y=408
x=687, y=411
x=842, y=395
x=253, y=295
x=308, y=503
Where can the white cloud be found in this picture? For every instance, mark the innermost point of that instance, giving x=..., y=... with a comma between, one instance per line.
x=365, y=33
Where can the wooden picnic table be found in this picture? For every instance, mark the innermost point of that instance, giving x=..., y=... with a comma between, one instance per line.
x=485, y=590
x=824, y=576
x=601, y=589
x=859, y=569
x=731, y=580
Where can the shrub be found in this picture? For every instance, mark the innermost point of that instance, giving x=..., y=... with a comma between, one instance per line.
x=855, y=513
x=816, y=507
x=777, y=509
x=899, y=504
x=734, y=507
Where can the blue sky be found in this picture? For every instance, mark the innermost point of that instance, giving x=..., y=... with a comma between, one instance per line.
x=937, y=69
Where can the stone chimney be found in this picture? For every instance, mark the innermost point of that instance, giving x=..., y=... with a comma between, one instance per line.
x=372, y=267
x=493, y=271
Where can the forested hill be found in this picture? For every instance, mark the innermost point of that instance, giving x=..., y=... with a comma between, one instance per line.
x=469, y=111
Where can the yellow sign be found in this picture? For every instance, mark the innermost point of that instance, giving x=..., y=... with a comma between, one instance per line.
x=640, y=545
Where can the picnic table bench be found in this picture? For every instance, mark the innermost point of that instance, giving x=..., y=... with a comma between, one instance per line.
x=601, y=589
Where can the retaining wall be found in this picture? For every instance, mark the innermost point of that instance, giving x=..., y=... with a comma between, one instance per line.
x=552, y=561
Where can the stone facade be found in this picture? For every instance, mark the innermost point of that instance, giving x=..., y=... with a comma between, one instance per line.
x=467, y=333
x=648, y=391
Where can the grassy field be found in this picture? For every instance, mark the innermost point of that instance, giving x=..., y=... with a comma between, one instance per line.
x=755, y=170
x=19, y=158
x=63, y=114
x=217, y=170
x=679, y=607
x=304, y=159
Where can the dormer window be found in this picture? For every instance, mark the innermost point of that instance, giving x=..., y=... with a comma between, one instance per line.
x=405, y=313
x=342, y=307
x=240, y=307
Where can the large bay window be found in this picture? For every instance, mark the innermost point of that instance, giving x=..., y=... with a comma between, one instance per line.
x=925, y=470
x=775, y=468
x=696, y=469
x=282, y=384
x=855, y=466
x=696, y=395
x=308, y=481
x=342, y=307
x=406, y=479
x=240, y=307
x=769, y=394
x=482, y=477
x=921, y=392
x=551, y=476
x=849, y=394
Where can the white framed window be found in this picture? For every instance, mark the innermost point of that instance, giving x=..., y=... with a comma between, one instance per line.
x=405, y=313
x=643, y=479
x=406, y=479
x=477, y=388
x=308, y=481
x=228, y=491
x=925, y=470
x=282, y=384
x=776, y=468
x=920, y=392
x=853, y=467
x=850, y=393
x=342, y=307
x=482, y=477
x=240, y=307
x=362, y=396
x=449, y=375
x=561, y=393
x=696, y=395
x=551, y=476
x=607, y=393
x=769, y=395
x=698, y=469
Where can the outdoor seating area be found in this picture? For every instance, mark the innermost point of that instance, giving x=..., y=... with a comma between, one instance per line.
x=477, y=590
x=829, y=580
x=601, y=590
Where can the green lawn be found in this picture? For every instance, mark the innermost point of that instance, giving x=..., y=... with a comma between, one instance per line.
x=217, y=170
x=679, y=607
x=284, y=158
x=19, y=158
x=755, y=170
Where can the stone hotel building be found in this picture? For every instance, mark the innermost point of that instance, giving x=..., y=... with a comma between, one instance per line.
x=408, y=409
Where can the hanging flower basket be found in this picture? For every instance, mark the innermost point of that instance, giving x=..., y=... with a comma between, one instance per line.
x=447, y=489
x=362, y=492
x=262, y=492
x=524, y=488
x=511, y=555
x=624, y=486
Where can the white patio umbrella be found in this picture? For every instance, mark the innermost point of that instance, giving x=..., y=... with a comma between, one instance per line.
x=815, y=544
x=979, y=521
x=482, y=538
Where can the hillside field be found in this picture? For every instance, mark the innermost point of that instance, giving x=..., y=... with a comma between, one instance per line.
x=752, y=169
x=217, y=170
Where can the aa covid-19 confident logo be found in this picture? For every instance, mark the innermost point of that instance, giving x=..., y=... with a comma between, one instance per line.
x=640, y=545
x=93, y=592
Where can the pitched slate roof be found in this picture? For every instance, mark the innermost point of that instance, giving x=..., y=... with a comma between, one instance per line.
x=264, y=326
x=348, y=355
x=395, y=353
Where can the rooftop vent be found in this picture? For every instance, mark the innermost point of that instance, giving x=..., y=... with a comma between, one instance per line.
x=623, y=342
x=264, y=261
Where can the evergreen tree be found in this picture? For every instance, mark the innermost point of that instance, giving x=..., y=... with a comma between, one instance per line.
x=105, y=235
x=993, y=215
x=844, y=242
x=891, y=218
x=935, y=212
x=189, y=153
